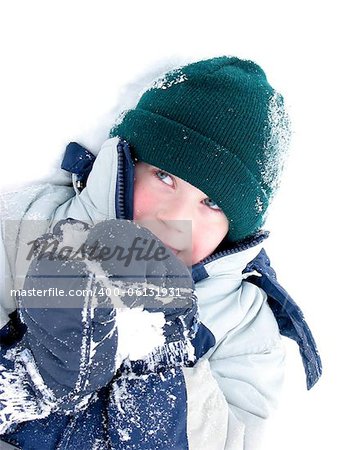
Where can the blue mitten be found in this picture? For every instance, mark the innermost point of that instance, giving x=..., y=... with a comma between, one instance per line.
x=101, y=299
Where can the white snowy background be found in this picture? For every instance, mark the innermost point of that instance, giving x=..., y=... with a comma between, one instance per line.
x=67, y=68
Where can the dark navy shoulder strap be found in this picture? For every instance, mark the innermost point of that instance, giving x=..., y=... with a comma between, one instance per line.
x=289, y=316
x=78, y=160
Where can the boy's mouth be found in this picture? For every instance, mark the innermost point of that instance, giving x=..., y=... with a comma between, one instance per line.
x=184, y=255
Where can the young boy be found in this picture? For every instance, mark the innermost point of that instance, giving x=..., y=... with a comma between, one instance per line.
x=194, y=167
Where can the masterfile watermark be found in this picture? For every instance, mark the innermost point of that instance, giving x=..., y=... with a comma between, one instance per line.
x=114, y=262
x=115, y=291
x=139, y=250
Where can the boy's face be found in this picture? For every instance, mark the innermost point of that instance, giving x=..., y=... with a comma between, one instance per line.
x=164, y=203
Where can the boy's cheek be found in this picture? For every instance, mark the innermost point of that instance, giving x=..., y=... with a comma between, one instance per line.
x=200, y=251
x=142, y=205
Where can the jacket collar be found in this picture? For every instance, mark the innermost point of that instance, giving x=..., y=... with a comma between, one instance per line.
x=232, y=261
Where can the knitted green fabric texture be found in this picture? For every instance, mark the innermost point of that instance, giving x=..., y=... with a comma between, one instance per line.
x=219, y=125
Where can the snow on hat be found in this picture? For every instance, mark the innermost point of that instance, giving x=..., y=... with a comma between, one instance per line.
x=220, y=126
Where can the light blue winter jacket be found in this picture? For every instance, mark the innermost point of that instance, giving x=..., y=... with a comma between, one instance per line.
x=224, y=399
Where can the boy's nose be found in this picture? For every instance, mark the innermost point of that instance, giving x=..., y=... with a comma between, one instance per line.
x=175, y=212
x=176, y=216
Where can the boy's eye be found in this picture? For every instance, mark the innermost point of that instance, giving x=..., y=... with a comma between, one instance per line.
x=164, y=176
x=209, y=202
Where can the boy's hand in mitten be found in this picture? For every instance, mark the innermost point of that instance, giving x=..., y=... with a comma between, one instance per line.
x=156, y=312
x=103, y=296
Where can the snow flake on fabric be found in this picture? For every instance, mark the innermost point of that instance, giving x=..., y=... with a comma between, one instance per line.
x=259, y=204
x=277, y=144
x=171, y=78
x=149, y=409
x=74, y=234
x=275, y=149
x=17, y=404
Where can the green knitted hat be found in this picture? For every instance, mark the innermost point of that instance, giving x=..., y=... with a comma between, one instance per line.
x=220, y=126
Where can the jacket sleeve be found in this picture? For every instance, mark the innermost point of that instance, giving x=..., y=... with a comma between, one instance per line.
x=33, y=205
x=234, y=389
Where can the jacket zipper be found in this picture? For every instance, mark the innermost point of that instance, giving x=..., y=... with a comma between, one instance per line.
x=120, y=210
x=257, y=239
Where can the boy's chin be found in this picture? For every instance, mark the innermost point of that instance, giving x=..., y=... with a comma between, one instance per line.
x=183, y=256
x=187, y=259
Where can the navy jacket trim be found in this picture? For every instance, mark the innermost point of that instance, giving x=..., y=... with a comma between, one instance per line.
x=78, y=160
x=125, y=182
x=13, y=331
x=199, y=272
x=203, y=341
x=288, y=315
